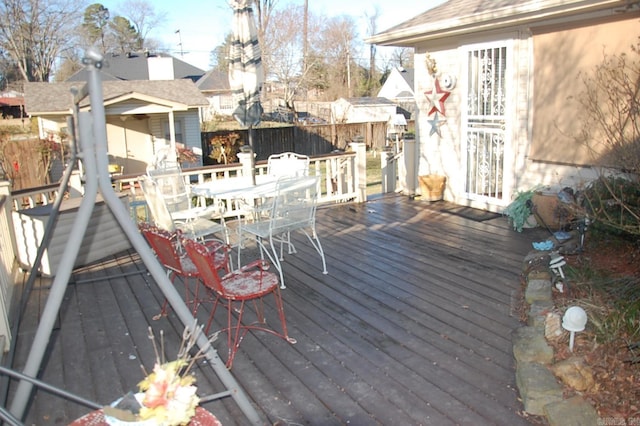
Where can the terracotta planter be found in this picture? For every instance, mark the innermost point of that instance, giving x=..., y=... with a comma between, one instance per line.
x=432, y=187
x=549, y=211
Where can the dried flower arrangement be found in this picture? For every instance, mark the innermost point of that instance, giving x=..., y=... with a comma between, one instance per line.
x=167, y=394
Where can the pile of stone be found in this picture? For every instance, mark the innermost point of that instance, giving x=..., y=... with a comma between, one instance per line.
x=540, y=380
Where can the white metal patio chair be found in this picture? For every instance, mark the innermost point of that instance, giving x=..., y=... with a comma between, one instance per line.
x=182, y=203
x=291, y=208
x=191, y=226
x=288, y=164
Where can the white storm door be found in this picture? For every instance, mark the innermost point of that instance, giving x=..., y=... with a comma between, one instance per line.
x=484, y=122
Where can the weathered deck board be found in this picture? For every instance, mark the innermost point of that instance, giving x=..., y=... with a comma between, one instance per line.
x=411, y=326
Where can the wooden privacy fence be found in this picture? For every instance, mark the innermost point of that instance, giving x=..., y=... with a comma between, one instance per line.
x=315, y=139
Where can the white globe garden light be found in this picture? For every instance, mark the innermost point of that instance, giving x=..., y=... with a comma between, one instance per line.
x=574, y=320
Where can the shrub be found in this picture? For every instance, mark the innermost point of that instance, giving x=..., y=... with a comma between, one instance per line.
x=613, y=204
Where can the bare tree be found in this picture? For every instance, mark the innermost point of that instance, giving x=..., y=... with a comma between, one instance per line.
x=284, y=59
x=9, y=74
x=264, y=11
x=336, y=44
x=610, y=130
x=69, y=65
x=143, y=17
x=402, y=57
x=33, y=32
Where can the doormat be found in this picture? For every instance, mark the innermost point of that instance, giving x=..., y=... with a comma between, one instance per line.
x=471, y=213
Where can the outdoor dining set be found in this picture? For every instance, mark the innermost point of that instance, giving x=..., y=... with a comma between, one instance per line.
x=202, y=233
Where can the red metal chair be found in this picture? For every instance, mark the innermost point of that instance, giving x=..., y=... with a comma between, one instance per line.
x=168, y=249
x=250, y=283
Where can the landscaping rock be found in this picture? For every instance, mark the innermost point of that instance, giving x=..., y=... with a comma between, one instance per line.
x=529, y=345
x=574, y=372
x=538, y=290
x=553, y=326
x=538, y=387
x=540, y=275
x=574, y=411
x=538, y=313
x=536, y=261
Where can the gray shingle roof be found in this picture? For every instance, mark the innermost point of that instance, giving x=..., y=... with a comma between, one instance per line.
x=408, y=75
x=135, y=66
x=56, y=97
x=214, y=81
x=459, y=16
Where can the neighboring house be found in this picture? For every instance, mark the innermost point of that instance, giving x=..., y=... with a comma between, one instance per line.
x=398, y=87
x=143, y=66
x=12, y=104
x=362, y=110
x=214, y=85
x=142, y=116
x=501, y=117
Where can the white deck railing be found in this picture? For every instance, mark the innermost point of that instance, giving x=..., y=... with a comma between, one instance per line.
x=342, y=178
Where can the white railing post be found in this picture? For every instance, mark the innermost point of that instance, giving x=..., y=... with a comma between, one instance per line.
x=360, y=170
x=410, y=166
x=388, y=168
x=76, y=188
x=7, y=258
x=247, y=163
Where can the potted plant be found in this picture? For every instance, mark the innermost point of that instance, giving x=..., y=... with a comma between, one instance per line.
x=520, y=210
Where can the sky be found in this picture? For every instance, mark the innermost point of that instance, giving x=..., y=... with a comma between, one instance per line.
x=193, y=28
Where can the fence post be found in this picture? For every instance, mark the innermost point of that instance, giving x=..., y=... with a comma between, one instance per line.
x=360, y=148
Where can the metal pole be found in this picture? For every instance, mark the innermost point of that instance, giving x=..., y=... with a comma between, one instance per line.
x=46, y=238
x=252, y=156
x=59, y=286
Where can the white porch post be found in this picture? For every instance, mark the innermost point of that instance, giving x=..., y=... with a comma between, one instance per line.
x=360, y=148
x=172, y=136
x=410, y=164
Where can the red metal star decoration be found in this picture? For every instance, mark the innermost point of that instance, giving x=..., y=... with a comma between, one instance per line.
x=436, y=98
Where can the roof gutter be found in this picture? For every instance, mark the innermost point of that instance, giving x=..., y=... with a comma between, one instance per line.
x=526, y=14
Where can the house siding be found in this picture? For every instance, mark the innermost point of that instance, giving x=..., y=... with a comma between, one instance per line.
x=191, y=128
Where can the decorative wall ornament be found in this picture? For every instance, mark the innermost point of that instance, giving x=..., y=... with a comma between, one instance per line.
x=448, y=82
x=436, y=97
x=435, y=125
x=432, y=67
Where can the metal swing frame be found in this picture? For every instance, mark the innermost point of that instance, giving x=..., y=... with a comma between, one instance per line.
x=93, y=140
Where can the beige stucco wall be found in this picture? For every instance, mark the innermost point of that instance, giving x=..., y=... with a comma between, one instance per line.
x=562, y=56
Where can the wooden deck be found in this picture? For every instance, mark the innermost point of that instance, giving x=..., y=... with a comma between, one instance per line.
x=411, y=326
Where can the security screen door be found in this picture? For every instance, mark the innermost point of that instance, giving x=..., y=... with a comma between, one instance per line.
x=484, y=122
